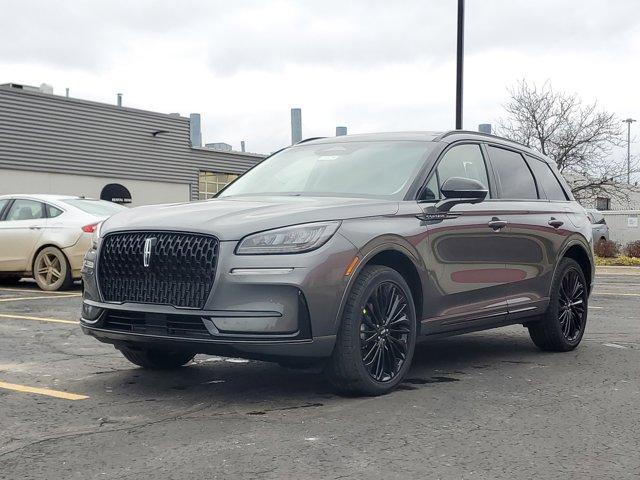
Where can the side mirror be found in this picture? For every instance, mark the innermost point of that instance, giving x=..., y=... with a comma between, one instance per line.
x=458, y=190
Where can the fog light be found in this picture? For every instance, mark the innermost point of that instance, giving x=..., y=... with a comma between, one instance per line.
x=90, y=314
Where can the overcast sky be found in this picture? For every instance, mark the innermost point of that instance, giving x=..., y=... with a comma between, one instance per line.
x=370, y=65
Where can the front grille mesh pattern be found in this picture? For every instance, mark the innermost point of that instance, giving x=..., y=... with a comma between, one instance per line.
x=180, y=272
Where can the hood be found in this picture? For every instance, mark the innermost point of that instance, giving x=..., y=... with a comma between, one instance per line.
x=231, y=218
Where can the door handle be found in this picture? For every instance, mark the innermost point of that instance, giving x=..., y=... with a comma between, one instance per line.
x=497, y=224
x=35, y=228
x=555, y=223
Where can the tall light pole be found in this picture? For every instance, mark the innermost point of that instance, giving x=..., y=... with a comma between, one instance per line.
x=459, y=64
x=628, y=121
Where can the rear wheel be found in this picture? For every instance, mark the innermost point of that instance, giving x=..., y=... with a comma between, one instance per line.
x=51, y=270
x=377, y=335
x=157, y=359
x=562, y=326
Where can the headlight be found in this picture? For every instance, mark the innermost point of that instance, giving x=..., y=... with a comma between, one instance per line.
x=295, y=239
x=95, y=236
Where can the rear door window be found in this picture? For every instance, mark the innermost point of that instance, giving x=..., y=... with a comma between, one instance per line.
x=515, y=180
x=23, y=209
x=546, y=179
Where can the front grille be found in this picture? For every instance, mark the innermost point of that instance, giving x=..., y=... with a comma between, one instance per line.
x=180, y=273
x=169, y=325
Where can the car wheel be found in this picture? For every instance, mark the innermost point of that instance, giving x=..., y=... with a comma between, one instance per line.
x=377, y=336
x=51, y=270
x=157, y=359
x=562, y=326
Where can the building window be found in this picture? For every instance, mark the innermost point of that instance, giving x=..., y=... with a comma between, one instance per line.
x=212, y=182
x=603, y=203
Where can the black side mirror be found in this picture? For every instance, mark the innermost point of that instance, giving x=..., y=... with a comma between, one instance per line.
x=458, y=190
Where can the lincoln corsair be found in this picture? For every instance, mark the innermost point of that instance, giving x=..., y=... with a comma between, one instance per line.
x=343, y=253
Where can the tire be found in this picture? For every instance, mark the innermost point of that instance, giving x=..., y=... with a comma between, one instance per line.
x=157, y=359
x=347, y=368
x=51, y=270
x=551, y=333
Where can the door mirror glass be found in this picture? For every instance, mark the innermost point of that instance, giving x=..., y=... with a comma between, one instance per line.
x=458, y=190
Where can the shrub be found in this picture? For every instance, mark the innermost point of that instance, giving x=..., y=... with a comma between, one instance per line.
x=633, y=249
x=606, y=249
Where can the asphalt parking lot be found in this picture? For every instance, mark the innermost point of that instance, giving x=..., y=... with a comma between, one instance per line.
x=486, y=405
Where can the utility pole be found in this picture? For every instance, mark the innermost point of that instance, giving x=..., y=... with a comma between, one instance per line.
x=629, y=121
x=459, y=65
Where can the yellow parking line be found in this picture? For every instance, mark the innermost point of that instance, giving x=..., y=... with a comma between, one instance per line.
x=19, y=299
x=41, y=319
x=42, y=391
x=3, y=289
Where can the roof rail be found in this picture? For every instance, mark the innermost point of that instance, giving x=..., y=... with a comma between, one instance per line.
x=482, y=134
x=309, y=139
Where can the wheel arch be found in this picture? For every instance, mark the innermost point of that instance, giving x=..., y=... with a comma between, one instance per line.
x=577, y=251
x=39, y=249
x=399, y=258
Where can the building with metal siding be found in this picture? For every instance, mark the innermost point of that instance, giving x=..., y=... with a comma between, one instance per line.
x=55, y=144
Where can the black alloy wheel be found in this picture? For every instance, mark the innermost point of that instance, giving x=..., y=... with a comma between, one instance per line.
x=377, y=335
x=561, y=327
x=571, y=311
x=384, y=331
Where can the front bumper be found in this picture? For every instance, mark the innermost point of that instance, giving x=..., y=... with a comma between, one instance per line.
x=265, y=306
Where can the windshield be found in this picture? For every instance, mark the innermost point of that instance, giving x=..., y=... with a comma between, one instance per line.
x=362, y=169
x=95, y=207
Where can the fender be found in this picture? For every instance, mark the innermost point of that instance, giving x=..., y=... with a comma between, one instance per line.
x=388, y=242
x=585, y=245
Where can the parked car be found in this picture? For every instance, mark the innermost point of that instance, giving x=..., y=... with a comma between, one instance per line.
x=598, y=225
x=345, y=251
x=47, y=236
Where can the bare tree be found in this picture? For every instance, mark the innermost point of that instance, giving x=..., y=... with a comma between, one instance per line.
x=579, y=137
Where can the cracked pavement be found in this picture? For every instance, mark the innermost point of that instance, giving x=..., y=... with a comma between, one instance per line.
x=480, y=406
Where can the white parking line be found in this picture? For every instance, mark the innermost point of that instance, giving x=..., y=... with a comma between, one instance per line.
x=617, y=294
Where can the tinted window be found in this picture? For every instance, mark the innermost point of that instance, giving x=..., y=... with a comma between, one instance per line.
x=464, y=161
x=53, y=211
x=96, y=207
x=431, y=190
x=546, y=179
x=514, y=177
x=25, y=210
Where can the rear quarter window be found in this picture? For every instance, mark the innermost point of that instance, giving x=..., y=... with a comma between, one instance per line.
x=547, y=181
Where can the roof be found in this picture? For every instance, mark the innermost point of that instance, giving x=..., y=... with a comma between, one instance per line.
x=448, y=136
x=42, y=196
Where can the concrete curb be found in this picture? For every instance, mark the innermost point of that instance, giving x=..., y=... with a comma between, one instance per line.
x=611, y=270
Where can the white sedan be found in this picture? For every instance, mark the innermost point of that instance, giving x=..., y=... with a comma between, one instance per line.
x=46, y=236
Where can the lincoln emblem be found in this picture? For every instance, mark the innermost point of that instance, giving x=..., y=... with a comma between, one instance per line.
x=148, y=246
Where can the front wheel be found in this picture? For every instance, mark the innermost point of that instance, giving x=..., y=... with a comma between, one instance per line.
x=562, y=326
x=377, y=336
x=156, y=359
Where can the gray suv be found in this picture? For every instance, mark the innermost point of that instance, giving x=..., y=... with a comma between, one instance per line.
x=344, y=252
